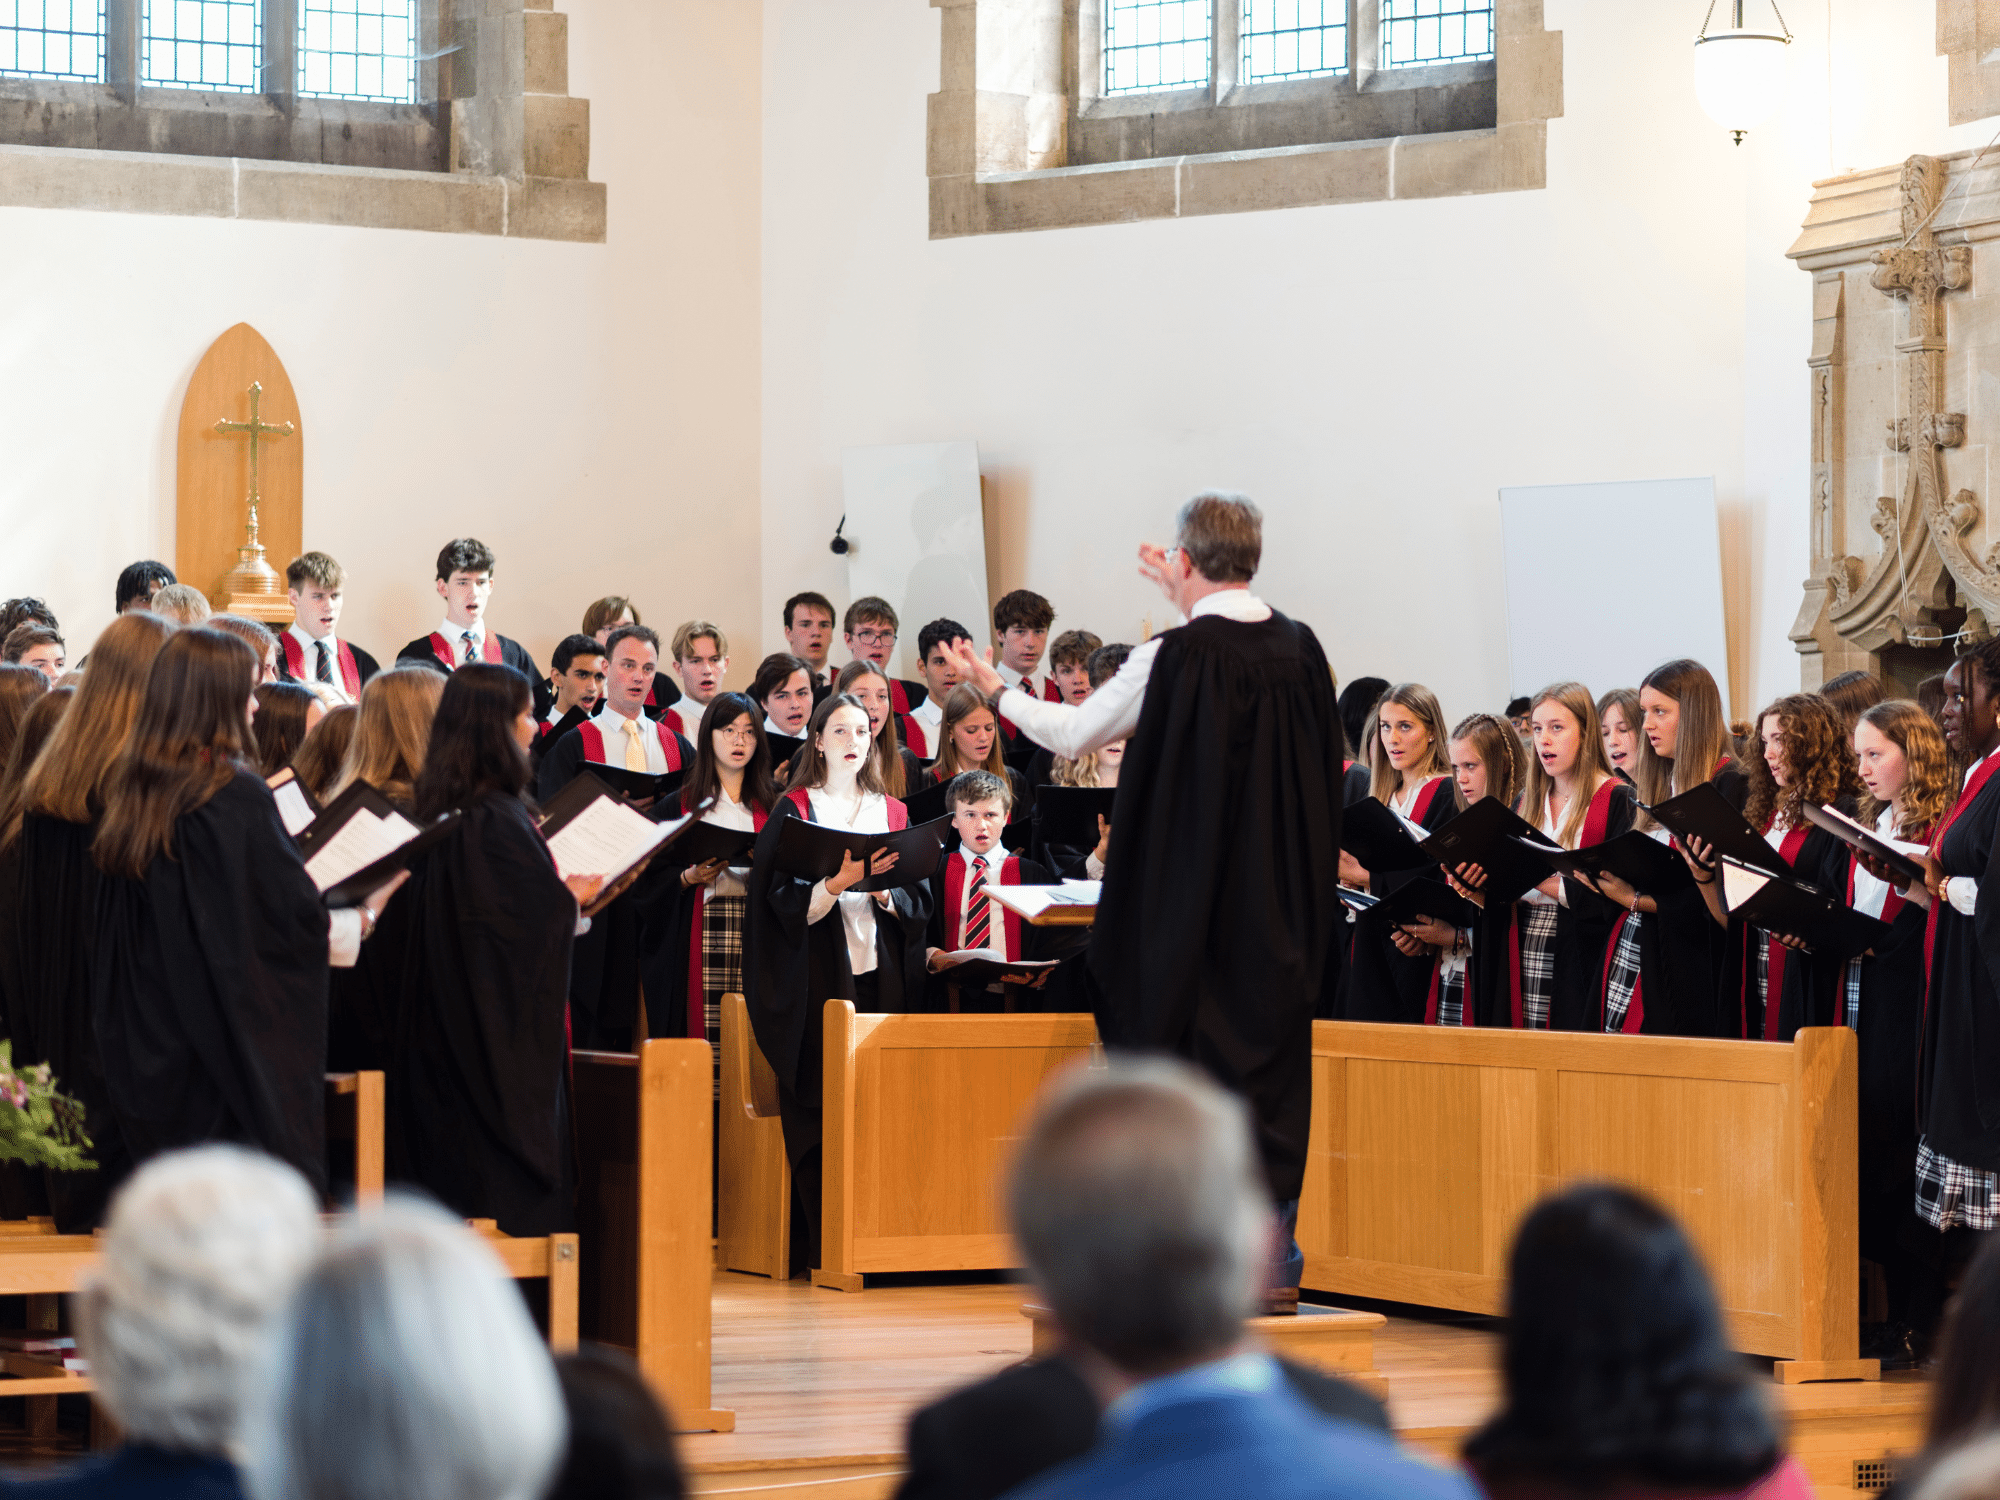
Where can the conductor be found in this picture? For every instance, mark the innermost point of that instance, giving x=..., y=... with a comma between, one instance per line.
x=1219, y=898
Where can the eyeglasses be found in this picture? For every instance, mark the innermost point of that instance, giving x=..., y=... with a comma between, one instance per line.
x=876, y=637
x=738, y=732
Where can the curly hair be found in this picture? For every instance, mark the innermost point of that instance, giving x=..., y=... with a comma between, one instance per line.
x=1819, y=761
x=1927, y=793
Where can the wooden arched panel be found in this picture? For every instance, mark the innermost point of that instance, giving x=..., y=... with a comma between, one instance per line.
x=214, y=470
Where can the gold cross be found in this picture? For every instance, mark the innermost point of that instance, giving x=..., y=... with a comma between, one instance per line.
x=257, y=430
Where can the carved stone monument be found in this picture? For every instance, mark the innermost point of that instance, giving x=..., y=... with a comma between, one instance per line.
x=1905, y=560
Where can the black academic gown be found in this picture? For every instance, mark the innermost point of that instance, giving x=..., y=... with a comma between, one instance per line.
x=365, y=1002
x=791, y=968
x=1807, y=994
x=1383, y=982
x=481, y=1117
x=421, y=653
x=1959, y=1078
x=209, y=992
x=48, y=928
x=1683, y=954
x=1221, y=886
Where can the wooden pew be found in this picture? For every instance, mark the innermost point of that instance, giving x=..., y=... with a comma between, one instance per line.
x=644, y=1135
x=753, y=1175
x=354, y=1112
x=921, y=1111
x=1429, y=1144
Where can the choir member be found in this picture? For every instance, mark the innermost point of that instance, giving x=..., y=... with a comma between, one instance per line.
x=313, y=651
x=1408, y=773
x=1099, y=668
x=1664, y=973
x=1806, y=761
x=1021, y=622
x=20, y=688
x=26, y=610
x=1357, y=711
x=481, y=1116
x=323, y=751
x=921, y=728
x=1906, y=768
x=701, y=661
x=465, y=584
x=32, y=645
x=1958, y=1080
x=619, y=733
x=962, y=916
x=703, y=960
x=1852, y=694
x=1619, y=716
x=783, y=693
x=182, y=604
x=969, y=740
x=49, y=933
x=286, y=714
x=870, y=630
x=808, y=635
x=139, y=582
x=901, y=773
x=257, y=636
x=810, y=942
x=1098, y=768
x=576, y=680
x=606, y=615
x=392, y=731
x=208, y=998
x=37, y=725
x=1069, y=664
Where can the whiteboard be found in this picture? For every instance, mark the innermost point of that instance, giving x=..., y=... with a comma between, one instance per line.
x=917, y=536
x=1606, y=581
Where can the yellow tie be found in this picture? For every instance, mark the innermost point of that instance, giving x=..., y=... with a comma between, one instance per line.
x=635, y=748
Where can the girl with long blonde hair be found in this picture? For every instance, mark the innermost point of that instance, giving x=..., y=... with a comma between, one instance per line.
x=391, y=733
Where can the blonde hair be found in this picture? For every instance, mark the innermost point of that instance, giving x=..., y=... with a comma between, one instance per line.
x=1592, y=769
x=692, y=631
x=182, y=603
x=392, y=730
x=1064, y=772
x=1929, y=791
x=1702, y=745
x=1422, y=702
x=1500, y=750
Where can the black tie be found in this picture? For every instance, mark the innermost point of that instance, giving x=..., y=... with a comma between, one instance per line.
x=325, y=673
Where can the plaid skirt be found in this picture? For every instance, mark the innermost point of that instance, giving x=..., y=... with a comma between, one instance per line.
x=1850, y=996
x=1451, y=994
x=1622, y=981
x=1538, y=962
x=722, y=922
x=1951, y=1195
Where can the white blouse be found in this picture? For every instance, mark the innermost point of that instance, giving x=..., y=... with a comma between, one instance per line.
x=729, y=813
x=857, y=908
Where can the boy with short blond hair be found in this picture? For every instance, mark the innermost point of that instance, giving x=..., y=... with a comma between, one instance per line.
x=701, y=660
x=309, y=650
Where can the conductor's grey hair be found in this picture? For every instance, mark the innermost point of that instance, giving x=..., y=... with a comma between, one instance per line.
x=201, y=1251
x=1141, y=1210
x=1222, y=535
x=405, y=1368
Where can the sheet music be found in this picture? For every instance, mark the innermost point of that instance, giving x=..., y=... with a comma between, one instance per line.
x=1740, y=884
x=1901, y=846
x=362, y=840
x=293, y=807
x=1078, y=893
x=607, y=838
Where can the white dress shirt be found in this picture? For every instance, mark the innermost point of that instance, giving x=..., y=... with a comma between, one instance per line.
x=611, y=724
x=686, y=717
x=731, y=814
x=1074, y=730
x=1551, y=826
x=1872, y=895
x=1025, y=682
x=454, y=637
x=1962, y=891
x=857, y=908
x=309, y=655
x=929, y=715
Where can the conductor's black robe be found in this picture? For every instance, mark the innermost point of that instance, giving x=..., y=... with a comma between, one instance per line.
x=208, y=994
x=791, y=968
x=1959, y=1080
x=1221, y=884
x=481, y=1119
x=48, y=938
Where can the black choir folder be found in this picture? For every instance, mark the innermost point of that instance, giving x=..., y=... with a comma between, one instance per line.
x=1706, y=814
x=1413, y=901
x=976, y=968
x=360, y=841
x=1500, y=841
x=1644, y=863
x=591, y=830
x=1791, y=908
x=705, y=841
x=1067, y=815
x=811, y=851
x=1866, y=840
x=1379, y=839
x=636, y=786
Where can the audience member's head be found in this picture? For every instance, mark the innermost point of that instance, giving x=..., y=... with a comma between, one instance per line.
x=256, y=635
x=1139, y=1205
x=621, y=1445
x=1965, y=1390
x=479, y=740
x=26, y=610
x=392, y=731
x=1618, y=1374
x=20, y=689
x=323, y=751
x=31, y=644
x=201, y=1250
x=1853, y=693
x=1105, y=661
x=182, y=603
x=405, y=1367
x=286, y=714
x=140, y=582
x=70, y=781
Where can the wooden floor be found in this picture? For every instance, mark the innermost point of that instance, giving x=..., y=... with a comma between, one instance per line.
x=822, y=1383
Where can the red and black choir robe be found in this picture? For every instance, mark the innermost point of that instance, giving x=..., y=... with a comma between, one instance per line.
x=1007, y=935
x=1797, y=992
x=676, y=1000
x=1383, y=982
x=441, y=655
x=352, y=667
x=1959, y=1076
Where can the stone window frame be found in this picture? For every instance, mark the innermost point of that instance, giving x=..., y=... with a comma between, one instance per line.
x=1968, y=34
x=1014, y=122
x=500, y=149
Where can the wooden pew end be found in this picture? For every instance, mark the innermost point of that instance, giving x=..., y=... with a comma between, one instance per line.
x=837, y=1281
x=1808, y=1371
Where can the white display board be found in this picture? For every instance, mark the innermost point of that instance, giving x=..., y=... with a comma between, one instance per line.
x=1606, y=581
x=917, y=536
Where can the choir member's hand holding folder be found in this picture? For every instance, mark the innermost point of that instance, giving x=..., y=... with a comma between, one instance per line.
x=1644, y=863
x=1890, y=854
x=361, y=842
x=812, y=851
x=1791, y=908
x=1502, y=843
x=593, y=833
x=1413, y=902
x=976, y=968
x=1383, y=842
x=1705, y=814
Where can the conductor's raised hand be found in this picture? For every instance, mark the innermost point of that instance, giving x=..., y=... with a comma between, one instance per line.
x=977, y=666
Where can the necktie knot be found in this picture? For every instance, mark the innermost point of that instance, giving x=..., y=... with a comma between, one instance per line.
x=324, y=669
x=471, y=650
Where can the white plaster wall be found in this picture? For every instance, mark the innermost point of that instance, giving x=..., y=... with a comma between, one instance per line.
x=1372, y=374
x=588, y=410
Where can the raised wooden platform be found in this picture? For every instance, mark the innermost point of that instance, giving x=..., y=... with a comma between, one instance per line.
x=822, y=1386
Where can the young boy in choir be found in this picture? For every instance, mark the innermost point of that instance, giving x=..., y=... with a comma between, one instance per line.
x=465, y=584
x=1619, y=716
x=962, y=917
x=1021, y=622
x=870, y=629
x=900, y=770
x=37, y=646
x=701, y=661
x=606, y=615
x=809, y=635
x=139, y=582
x=935, y=643
x=814, y=941
x=619, y=733
x=575, y=686
x=783, y=693
x=316, y=586
x=1069, y=664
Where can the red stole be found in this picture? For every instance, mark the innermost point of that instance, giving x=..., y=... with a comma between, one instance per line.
x=1982, y=774
x=899, y=815
x=899, y=698
x=954, y=902
x=697, y=995
x=1596, y=818
x=1050, y=692
x=1774, y=969
x=913, y=736
x=295, y=663
x=441, y=648
x=593, y=743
